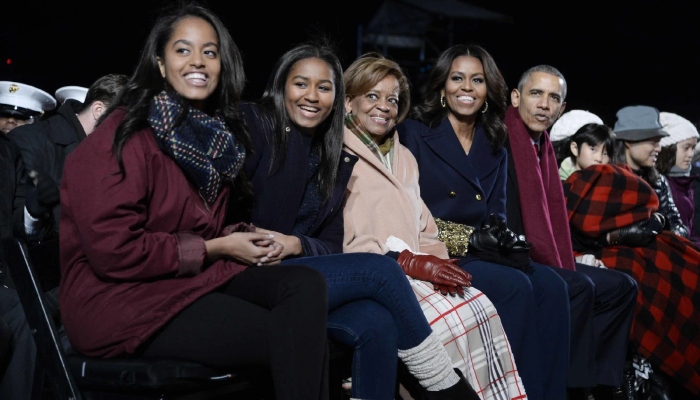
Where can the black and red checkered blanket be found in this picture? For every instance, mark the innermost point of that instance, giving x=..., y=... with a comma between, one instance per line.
x=666, y=327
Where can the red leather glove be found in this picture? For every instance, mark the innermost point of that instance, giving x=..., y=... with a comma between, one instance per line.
x=452, y=291
x=433, y=269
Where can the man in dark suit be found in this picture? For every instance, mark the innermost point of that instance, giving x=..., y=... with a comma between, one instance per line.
x=602, y=301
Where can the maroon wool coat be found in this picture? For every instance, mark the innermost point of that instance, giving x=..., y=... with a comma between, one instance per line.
x=132, y=249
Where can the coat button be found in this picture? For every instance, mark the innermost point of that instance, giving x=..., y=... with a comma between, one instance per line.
x=453, y=194
x=346, y=159
x=478, y=196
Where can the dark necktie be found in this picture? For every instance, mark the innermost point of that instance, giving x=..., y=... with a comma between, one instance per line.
x=537, y=149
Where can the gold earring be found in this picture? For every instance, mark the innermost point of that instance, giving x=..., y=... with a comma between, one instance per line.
x=442, y=101
x=486, y=107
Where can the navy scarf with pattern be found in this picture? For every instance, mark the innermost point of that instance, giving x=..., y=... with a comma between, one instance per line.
x=201, y=145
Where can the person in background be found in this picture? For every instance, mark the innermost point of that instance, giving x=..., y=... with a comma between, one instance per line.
x=567, y=151
x=46, y=144
x=675, y=162
x=638, y=133
x=602, y=301
x=20, y=104
x=456, y=133
x=150, y=265
x=384, y=214
x=614, y=217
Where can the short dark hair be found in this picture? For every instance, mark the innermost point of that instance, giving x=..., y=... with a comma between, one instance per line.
x=104, y=89
x=547, y=69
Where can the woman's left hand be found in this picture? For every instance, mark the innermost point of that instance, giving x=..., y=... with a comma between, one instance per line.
x=291, y=246
x=589, y=259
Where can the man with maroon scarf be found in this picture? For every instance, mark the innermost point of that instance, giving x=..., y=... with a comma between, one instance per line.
x=602, y=301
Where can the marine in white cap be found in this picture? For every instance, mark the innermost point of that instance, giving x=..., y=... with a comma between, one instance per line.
x=46, y=144
x=21, y=104
x=71, y=92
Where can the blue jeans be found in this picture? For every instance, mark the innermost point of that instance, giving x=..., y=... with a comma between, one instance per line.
x=373, y=309
x=534, y=311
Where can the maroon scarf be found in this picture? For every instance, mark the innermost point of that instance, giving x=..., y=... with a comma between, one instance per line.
x=541, y=196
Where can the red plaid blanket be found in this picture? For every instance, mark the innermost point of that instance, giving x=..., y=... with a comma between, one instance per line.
x=666, y=327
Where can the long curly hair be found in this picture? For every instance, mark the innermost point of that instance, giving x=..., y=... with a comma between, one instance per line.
x=430, y=110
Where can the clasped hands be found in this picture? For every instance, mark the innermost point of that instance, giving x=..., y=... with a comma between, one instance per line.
x=445, y=275
x=638, y=234
x=253, y=246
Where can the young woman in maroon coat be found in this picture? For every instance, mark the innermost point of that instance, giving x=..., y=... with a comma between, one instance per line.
x=148, y=266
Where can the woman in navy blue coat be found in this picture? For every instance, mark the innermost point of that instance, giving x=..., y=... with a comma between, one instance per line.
x=456, y=134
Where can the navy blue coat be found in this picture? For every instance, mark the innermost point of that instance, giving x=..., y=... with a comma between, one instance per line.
x=455, y=186
x=278, y=196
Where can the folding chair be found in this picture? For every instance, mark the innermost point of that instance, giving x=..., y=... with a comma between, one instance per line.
x=76, y=377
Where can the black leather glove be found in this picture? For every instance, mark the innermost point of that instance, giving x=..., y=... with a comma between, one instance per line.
x=433, y=269
x=487, y=238
x=639, y=234
x=41, y=194
x=497, y=244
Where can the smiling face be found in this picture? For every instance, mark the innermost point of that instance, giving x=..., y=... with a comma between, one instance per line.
x=684, y=152
x=309, y=93
x=540, y=103
x=191, y=63
x=588, y=155
x=377, y=109
x=465, y=89
x=642, y=154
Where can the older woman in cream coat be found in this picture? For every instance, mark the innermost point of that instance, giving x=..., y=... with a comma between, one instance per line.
x=384, y=214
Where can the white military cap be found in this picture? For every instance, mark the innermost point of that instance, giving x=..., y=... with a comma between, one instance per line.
x=24, y=100
x=71, y=92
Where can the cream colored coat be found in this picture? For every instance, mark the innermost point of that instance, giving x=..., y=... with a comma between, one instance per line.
x=379, y=204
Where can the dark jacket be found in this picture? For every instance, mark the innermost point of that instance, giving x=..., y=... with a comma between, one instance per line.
x=668, y=207
x=45, y=144
x=12, y=173
x=278, y=196
x=454, y=187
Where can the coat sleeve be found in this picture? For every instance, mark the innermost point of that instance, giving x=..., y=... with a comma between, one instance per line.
x=329, y=239
x=108, y=211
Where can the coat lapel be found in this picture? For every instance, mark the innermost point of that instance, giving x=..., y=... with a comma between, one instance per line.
x=444, y=143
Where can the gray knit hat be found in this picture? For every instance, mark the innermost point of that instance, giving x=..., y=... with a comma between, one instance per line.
x=637, y=123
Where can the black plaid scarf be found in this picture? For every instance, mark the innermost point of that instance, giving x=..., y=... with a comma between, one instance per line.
x=201, y=145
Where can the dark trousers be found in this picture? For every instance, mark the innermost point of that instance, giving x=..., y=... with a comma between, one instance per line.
x=267, y=316
x=534, y=311
x=602, y=303
x=16, y=384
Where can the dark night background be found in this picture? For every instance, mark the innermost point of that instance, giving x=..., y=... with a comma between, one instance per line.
x=613, y=54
